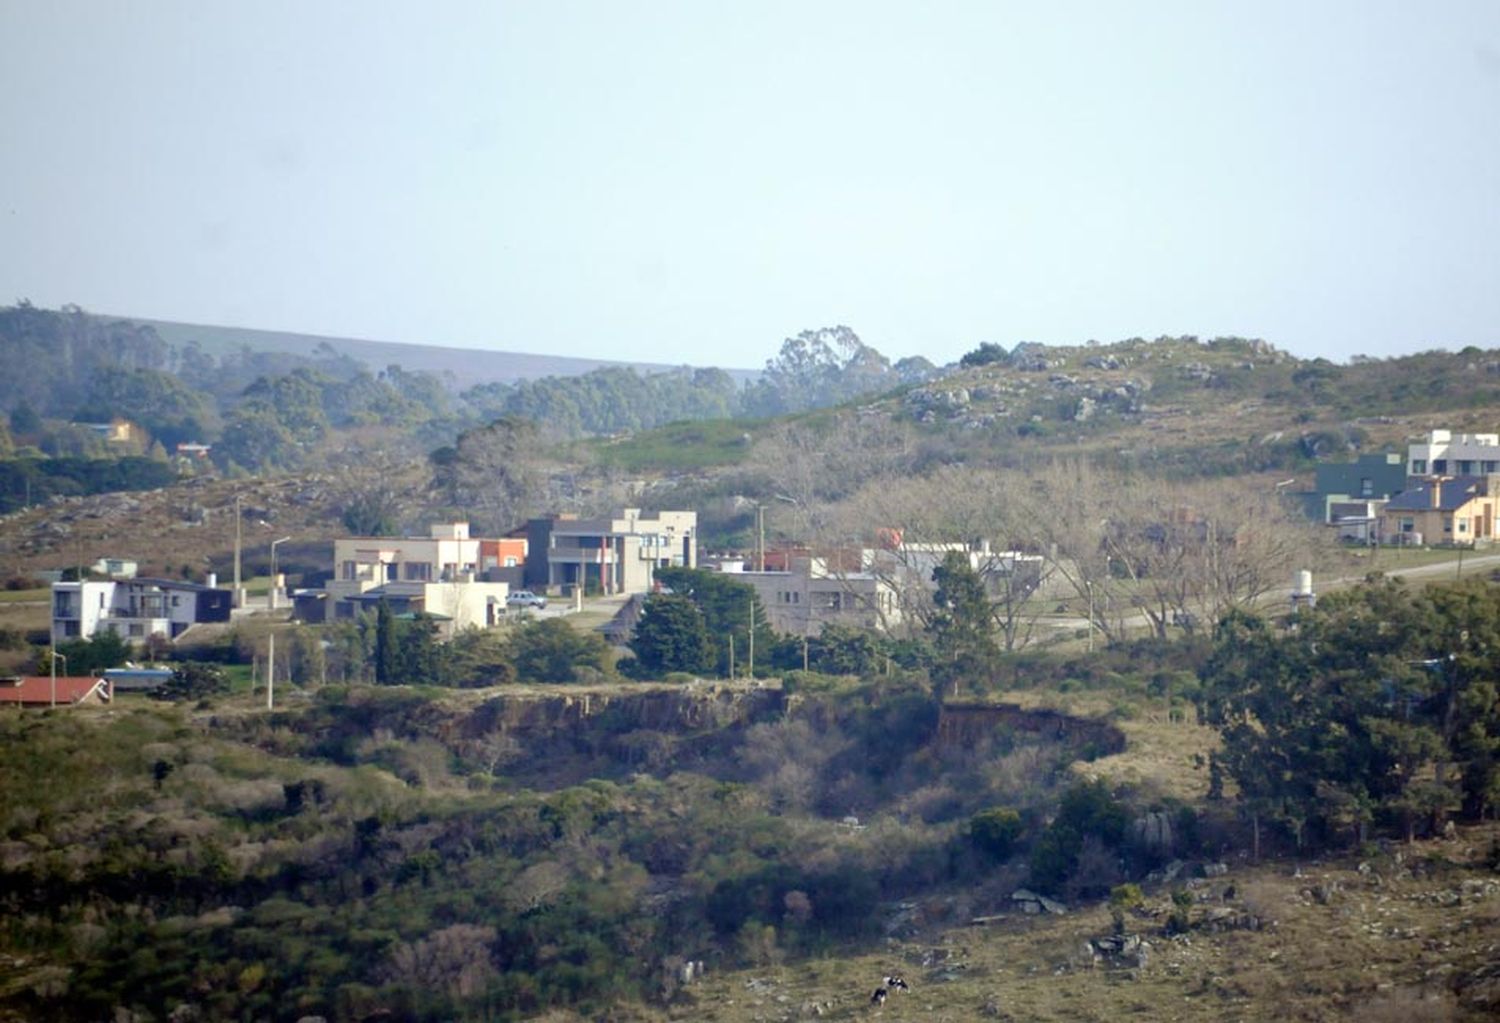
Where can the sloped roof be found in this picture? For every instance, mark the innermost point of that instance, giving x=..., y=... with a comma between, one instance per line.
x=36, y=690
x=1452, y=495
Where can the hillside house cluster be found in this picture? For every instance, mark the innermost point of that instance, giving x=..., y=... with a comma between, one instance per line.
x=1442, y=492
x=871, y=587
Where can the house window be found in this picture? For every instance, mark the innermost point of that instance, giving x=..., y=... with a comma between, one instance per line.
x=351, y=570
x=1366, y=487
x=1439, y=466
x=1488, y=466
x=1419, y=467
x=510, y=562
x=418, y=571
x=1447, y=523
x=1463, y=525
x=1408, y=524
x=137, y=630
x=1465, y=467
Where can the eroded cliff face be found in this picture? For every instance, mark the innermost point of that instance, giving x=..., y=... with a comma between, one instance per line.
x=548, y=737
x=683, y=709
x=964, y=724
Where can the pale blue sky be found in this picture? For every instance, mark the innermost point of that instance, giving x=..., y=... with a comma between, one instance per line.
x=692, y=182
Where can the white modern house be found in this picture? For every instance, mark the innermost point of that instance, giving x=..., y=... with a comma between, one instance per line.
x=1445, y=453
x=616, y=553
x=440, y=574
x=134, y=609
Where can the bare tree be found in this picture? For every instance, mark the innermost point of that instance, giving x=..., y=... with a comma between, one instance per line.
x=1145, y=551
x=986, y=513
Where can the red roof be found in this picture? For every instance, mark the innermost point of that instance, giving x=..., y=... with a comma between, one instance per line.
x=36, y=690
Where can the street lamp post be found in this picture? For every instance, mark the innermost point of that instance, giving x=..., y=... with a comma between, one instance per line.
x=53, y=659
x=239, y=596
x=274, y=586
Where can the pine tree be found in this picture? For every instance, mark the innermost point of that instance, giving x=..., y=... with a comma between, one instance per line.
x=387, y=644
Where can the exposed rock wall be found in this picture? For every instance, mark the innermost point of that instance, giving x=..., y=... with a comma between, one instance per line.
x=964, y=724
x=682, y=709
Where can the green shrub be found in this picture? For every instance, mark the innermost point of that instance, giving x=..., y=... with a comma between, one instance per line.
x=995, y=831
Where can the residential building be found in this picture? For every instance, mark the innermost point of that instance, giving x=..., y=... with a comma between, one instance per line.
x=116, y=431
x=134, y=609
x=45, y=691
x=1356, y=521
x=1371, y=477
x=115, y=568
x=613, y=554
x=808, y=596
x=444, y=574
x=1460, y=510
x=1444, y=453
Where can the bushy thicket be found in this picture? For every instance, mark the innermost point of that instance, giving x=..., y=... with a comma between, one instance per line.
x=1377, y=708
x=371, y=852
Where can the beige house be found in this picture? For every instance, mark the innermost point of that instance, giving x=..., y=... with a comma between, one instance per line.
x=1443, y=511
x=439, y=575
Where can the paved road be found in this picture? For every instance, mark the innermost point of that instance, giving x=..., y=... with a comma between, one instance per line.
x=1471, y=564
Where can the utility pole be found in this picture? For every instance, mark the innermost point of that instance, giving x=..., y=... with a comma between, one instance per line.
x=752, y=639
x=760, y=538
x=238, y=598
x=53, y=659
x=275, y=579
x=1089, y=583
x=271, y=673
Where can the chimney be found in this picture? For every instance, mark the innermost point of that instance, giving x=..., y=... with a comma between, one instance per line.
x=1436, y=492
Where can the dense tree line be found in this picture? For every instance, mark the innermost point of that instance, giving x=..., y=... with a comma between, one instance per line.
x=1378, y=708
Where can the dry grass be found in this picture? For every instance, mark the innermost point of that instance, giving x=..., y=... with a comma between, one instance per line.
x=1395, y=941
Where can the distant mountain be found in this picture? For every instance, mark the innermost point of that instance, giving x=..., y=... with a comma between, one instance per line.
x=460, y=367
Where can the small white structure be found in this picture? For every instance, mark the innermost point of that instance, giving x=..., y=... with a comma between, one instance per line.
x=1302, y=591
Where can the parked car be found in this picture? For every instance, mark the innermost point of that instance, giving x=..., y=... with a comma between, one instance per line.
x=525, y=598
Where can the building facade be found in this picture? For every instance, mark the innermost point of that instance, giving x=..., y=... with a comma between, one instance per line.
x=445, y=574
x=133, y=609
x=1444, y=453
x=800, y=601
x=613, y=554
x=1371, y=477
x=1443, y=511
